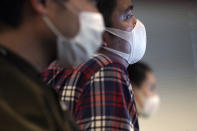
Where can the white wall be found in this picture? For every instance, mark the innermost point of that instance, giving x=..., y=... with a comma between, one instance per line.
x=172, y=32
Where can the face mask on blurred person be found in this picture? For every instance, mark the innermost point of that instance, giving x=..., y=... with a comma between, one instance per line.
x=72, y=52
x=150, y=105
x=136, y=39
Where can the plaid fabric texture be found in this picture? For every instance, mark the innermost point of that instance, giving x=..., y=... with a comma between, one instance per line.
x=97, y=93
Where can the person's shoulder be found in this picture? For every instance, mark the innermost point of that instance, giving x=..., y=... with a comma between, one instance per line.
x=17, y=84
x=58, y=75
x=13, y=76
x=96, y=62
x=108, y=65
x=100, y=61
x=114, y=64
x=21, y=90
x=115, y=70
x=55, y=71
x=84, y=71
x=15, y=81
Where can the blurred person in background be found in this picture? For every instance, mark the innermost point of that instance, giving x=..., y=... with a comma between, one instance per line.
x=143, y=83
x=97, y=91
x=31, y=31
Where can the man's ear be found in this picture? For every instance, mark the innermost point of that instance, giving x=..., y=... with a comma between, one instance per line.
x=39, y=6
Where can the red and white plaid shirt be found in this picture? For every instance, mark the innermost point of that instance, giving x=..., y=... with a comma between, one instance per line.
x=97, y=93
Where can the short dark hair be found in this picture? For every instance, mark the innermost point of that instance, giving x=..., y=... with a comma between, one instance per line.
x=106, y=7
x=11, y=12
x=137, y=73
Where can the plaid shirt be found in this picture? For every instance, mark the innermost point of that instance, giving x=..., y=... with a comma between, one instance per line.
x=97, y=93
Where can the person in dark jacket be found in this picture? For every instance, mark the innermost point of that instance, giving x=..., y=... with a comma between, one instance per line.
x=27, y=46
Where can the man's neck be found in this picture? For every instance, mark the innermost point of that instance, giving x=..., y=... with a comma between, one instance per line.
x=124, y=62
x=24, y=43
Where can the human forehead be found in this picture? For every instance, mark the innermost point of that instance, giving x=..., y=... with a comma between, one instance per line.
x=81, y=5
x=123, y=5
x=150, y=78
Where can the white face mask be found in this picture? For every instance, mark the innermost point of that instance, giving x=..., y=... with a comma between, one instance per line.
x=136, y=39
x=75, y=51
x=150, y=105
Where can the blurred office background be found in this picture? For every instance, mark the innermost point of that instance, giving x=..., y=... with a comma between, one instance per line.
x=172, y=53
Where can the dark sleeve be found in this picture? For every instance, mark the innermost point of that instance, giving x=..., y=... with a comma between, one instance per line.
x=26, y=104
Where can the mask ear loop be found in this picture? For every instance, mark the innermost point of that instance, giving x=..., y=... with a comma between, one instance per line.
x=52, y=27
x=69, y=7
x=108, y=30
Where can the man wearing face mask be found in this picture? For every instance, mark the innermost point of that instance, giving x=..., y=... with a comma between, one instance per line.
x=143, y=83
x=97, y=91
x=28, y=33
